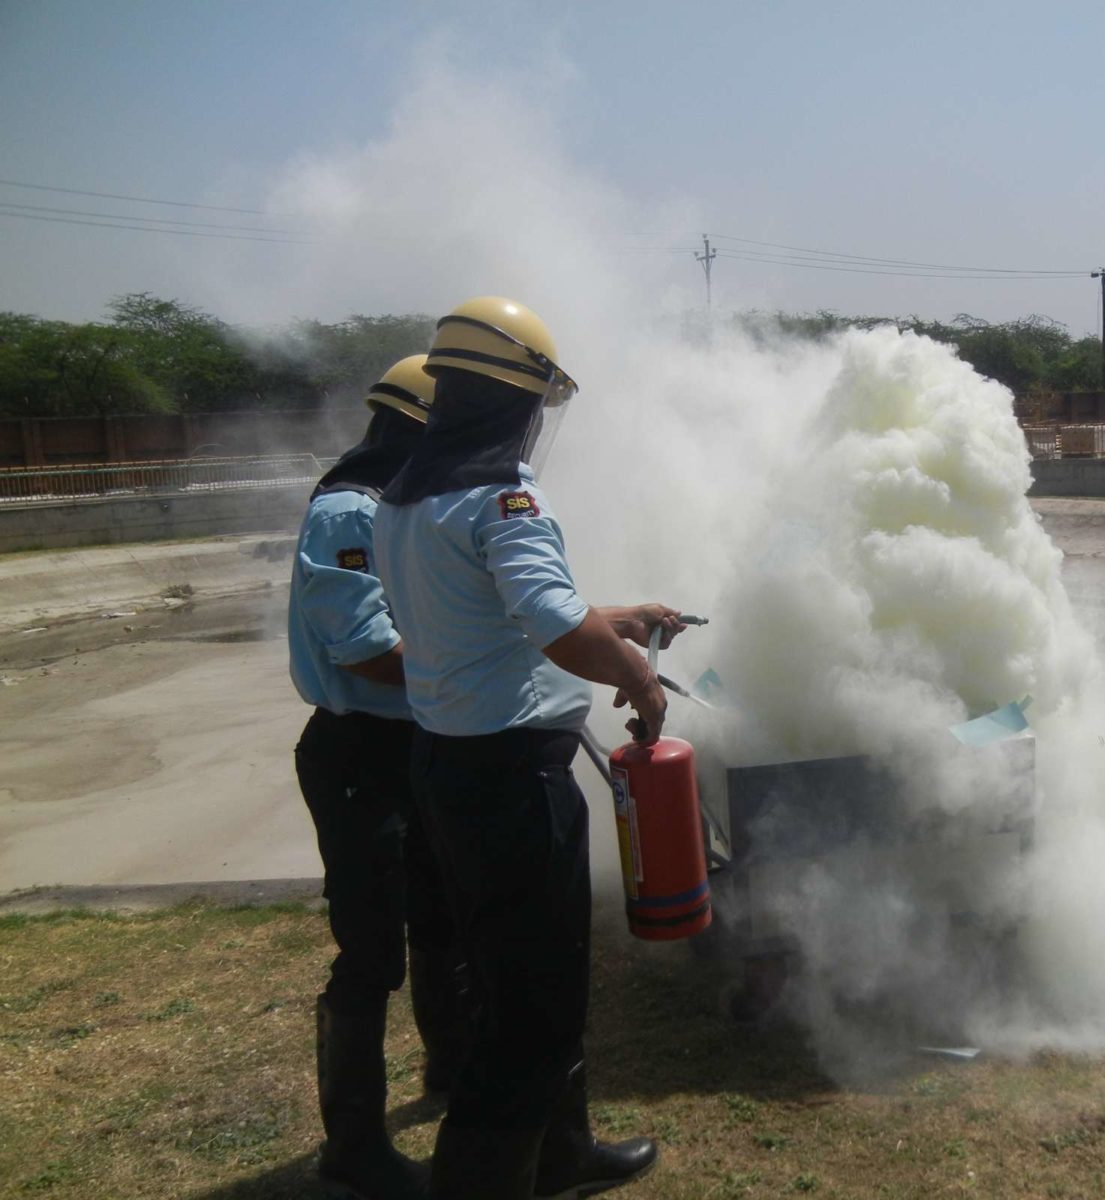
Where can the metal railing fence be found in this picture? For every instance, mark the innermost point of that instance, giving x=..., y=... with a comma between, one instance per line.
x=92, y=480
x=1085, y=440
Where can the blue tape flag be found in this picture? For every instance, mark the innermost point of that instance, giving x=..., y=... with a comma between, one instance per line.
x=1005, y=722
x=708, y=686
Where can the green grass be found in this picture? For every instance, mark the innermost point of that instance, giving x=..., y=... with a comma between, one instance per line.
x=170, y=1054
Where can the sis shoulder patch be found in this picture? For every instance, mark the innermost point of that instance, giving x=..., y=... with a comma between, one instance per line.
x=353, y=559
x=518, y=504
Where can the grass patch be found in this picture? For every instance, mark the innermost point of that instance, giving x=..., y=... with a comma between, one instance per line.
x=171, y=1054
x=231, y=1138
x=49, y=1177
x=31, y=999
x=740, y=1108
x=175, y=1008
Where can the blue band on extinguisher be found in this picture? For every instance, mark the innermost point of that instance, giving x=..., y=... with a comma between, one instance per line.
x=639, y=920
x=696, y=893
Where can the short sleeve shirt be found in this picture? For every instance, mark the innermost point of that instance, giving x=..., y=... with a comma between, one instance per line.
x=338, y=614
x=479, y=585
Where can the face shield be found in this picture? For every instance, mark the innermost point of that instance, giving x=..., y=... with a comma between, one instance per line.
x=547, y=419
x=520, y=366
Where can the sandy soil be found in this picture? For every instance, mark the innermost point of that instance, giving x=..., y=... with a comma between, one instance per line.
x=153, y=754
x=153, y=749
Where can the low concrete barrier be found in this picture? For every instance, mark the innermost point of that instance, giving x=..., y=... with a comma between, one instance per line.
x=36, y=589
x=50, y=525
x=56, y=525
x=1068, y=477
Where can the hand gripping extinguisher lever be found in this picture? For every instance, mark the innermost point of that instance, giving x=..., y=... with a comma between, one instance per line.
x=595, y=751
x=659, y=824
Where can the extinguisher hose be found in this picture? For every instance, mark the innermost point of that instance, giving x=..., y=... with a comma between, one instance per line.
x=654, y=658
x=654, y=647
x=598, y=754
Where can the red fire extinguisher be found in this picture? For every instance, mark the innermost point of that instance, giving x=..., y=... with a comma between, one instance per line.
x=659, y=824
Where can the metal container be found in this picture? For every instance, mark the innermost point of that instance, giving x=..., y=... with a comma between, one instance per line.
x=851, y=816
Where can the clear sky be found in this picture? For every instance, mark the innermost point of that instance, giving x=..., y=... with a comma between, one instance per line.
x=964, y=134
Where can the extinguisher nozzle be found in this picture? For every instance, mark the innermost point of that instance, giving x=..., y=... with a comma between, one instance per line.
x=680, y=690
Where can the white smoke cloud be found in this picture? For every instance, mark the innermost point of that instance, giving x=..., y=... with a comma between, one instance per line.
x=470, y=190
x=851, y=516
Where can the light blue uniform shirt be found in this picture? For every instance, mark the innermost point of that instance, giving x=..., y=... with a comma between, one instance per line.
x=479, y=585
x=338, y=614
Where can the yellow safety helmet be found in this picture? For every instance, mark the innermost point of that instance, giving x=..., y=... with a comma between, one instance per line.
x=405, y=387
x=503, y=340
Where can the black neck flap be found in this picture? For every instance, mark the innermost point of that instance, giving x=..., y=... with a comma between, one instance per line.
x=474, y=436
x=372, y=464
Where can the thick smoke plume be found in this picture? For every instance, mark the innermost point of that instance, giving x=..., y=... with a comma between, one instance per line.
x=851, y=516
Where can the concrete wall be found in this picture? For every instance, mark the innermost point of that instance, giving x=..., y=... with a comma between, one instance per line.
x=278, y=508
x=55, y=525
x=1068, y=477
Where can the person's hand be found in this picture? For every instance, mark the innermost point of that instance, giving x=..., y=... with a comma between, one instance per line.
x=640, y=620
x=651, y=702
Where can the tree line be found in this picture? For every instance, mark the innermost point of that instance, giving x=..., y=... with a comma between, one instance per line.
x=163, y=356
x=1035, y=357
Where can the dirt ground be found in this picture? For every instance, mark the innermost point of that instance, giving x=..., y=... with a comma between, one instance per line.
x=152, y=749
x=147, y=720
x=146, y=728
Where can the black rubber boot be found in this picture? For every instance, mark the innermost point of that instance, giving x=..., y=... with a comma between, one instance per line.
x=573, y=1163
x=439, y=998
x=482, y=1164
x=357, y=1161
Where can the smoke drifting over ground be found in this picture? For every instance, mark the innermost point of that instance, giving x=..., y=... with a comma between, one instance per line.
x=851, y=516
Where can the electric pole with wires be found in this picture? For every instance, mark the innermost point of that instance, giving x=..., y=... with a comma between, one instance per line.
x=707, y=260
x=1101, y=275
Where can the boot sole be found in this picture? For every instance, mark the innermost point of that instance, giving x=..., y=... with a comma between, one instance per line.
x=580, y=1191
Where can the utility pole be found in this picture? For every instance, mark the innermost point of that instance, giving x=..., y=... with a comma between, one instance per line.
x=707, y=260
x=1101, y=275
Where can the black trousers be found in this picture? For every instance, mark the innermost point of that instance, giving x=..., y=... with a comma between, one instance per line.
x=381, y=880
x=508, y=824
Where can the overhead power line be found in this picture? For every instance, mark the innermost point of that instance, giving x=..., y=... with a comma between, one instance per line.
x=858, y=260
x=850, y=268
x=233, y=237
x=80, y=212
x=895, y=262
x=41, y=187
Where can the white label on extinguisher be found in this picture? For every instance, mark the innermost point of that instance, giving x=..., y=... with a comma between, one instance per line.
x=625, y=817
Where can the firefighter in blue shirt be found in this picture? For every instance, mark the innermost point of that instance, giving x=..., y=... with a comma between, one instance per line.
x=353, y=767
x=499, y=649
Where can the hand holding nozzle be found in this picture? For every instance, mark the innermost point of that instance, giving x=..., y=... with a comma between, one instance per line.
x=639, y=622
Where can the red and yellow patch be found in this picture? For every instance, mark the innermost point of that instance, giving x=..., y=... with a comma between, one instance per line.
x=355, y=558
x=518, y=504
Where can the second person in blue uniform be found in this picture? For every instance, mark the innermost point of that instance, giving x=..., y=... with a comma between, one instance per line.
x=353, y=765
